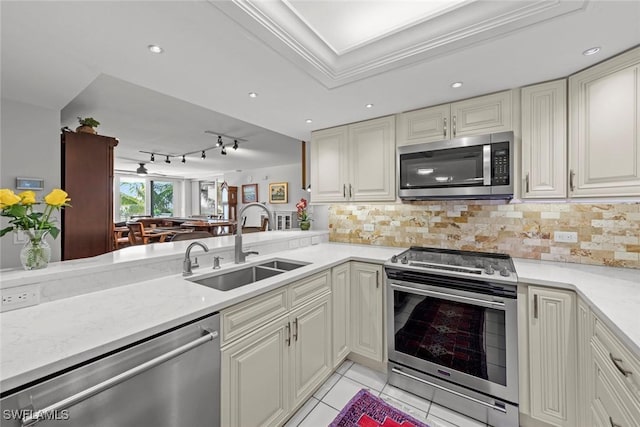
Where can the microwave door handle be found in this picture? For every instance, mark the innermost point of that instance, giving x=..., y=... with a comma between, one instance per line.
x=486, y=164
x=450, y=297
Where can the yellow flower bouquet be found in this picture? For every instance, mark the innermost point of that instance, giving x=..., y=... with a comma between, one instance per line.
x=36, y=225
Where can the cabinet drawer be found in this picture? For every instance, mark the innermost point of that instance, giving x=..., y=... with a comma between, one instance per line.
x=307, y=289
x=624, y=359
x=242, y=318
x=611, y=405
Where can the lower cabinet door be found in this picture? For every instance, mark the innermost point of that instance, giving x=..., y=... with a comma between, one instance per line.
x=552, y=356
x=311, y=344
x=366, y=310
x=256, y=378
x=340, y=279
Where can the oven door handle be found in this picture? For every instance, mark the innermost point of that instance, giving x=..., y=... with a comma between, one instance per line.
x=451, y=297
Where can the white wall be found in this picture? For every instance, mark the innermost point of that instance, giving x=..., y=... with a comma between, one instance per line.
x=29, y=147
x=263, y=177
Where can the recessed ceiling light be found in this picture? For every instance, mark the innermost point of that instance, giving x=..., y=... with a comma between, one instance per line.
x=369, y=106
x=456, y=85
x=154, y=48
x=309, y=121
x=591, y=51
x=253, y=95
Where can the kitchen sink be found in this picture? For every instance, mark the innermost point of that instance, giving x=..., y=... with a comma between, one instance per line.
x=247, y=275
x=281, y=264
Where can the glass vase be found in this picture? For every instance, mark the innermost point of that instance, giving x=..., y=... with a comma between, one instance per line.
x=36, y=253
x=305, y=225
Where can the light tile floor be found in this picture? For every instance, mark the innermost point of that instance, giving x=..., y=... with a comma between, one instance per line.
x=350, y=377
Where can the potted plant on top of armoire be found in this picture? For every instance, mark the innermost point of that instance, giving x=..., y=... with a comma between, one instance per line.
x=87, y=125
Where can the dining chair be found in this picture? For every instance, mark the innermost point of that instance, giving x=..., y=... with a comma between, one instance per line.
x=191, y=236
x=136, y=233
x=119, y=241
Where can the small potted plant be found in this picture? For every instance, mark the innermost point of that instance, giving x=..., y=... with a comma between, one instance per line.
x=303, y=216
x=87, y=125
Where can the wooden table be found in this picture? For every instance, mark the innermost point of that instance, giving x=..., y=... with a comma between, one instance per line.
x=215, y=227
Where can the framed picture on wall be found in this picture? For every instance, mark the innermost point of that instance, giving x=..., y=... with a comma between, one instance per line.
x=279, y=192
x=249, y=193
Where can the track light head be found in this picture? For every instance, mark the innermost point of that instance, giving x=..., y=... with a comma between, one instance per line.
x=219, y=143
x=235, y=144
x=183, y=159
x=167, y=160
x=203, y=156
x=153, y=158
x=223, y=151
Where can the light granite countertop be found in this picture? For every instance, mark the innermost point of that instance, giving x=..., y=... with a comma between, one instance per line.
x=44, y=339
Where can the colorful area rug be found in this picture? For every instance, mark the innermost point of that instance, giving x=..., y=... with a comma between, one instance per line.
x=366, y=410
x=447, y=333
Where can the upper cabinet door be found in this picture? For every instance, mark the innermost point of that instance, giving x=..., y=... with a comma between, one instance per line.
x=372, y=160
x=482, y=115
x=604, y=128
x=425, y=125
x=329, y=165
x=544, y=140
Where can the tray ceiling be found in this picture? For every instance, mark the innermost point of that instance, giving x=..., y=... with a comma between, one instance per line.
x=352, y=40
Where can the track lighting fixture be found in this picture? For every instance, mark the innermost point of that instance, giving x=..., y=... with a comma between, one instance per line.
x=142, y=171
x=167, y=160
x=203, y=156
x=183, y=159
x=223, y=151
x=219, y=143
x=235, y=144
x=153, y=158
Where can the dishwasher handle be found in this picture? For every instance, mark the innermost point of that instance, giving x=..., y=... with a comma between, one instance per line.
x=37, y=416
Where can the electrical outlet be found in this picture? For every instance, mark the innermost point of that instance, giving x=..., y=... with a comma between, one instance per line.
x=565, y=236
x=367, y=227
x=19, y=297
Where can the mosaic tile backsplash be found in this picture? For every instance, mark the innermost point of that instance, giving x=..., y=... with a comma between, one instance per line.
x=608, y=234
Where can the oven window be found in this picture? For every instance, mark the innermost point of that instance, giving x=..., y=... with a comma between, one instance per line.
x=463, y=337
x=461, y=167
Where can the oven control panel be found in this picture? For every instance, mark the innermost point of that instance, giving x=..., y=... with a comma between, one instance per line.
x=500, y=166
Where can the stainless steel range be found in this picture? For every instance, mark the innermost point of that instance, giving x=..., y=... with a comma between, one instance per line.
x=452, y=328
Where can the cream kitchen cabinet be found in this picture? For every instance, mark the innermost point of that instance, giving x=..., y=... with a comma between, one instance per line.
x=544, y=140
x=552, y=355
x=276, y=350
x=584, y=384
x=311, y=359
x=367, y=321
x=340, y=290
x=615, y=383
x=604, y=128
x=255, y=375
x=354, y=162
x=475, y=116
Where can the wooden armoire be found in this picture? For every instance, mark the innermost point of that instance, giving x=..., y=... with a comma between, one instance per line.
x=87, y=175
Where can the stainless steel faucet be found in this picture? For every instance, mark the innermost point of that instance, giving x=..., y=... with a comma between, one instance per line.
x=186, y=264
x=241, y=256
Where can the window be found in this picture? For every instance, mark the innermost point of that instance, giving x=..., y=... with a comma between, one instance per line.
x=132, y=197
x=161, y=198
x=136, y=197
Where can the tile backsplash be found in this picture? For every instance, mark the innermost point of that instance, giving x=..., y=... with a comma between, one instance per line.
x=608, y=233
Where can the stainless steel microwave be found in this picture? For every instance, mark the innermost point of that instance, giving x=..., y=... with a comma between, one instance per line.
x=475, y=167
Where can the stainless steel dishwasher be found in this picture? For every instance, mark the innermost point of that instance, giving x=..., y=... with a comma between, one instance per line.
x=169, y=379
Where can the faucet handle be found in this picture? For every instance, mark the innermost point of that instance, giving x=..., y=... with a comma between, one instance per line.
x=216, y=262
x=195, y=263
